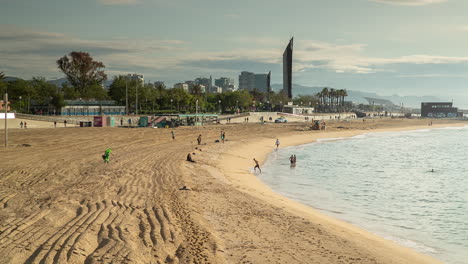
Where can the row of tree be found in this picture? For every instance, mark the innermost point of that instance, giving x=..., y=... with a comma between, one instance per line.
x=331, y=100
x=85, y=77
x=21, y=93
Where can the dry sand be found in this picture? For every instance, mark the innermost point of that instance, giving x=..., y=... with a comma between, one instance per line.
x=59, y=203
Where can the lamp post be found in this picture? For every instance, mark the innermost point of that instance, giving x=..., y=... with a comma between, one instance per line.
x=219, y=105
x=237, y=107
x=21, y=104
x=171, y=103
x=126, y=95
x=6, y=118
x=268, y=106
x=196, y=112
x=136, y=99
x=281, y=106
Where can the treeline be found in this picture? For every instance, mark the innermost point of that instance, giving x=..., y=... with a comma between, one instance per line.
x=85, y=77
x=22, y=94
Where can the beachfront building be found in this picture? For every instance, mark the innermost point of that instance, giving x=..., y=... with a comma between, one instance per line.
x=159, y=83
x=91, y=108
x=136, y=77
x=183, y=86
x=298, y=110
x=439, y=109
x=206, y=82
x=261, y=82
x=247, y=81
x=250, y=81
x=225, y=83
x=216, y=89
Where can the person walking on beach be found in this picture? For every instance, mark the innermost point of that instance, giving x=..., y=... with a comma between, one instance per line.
x=277, y=143
x=257, y=166
x=21, y=124
x=25, y=124
x=55, y=124
x=199, y=139
x=106, y=156
x=222, y=135
x=173, y=134
x=65, y=123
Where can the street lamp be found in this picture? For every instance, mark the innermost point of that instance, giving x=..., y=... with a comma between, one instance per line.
x=21, y=104
x=196, y=112
x=219, y=105
x=237, y=107
x=171, y=103
x=268, y=106
x=281, y=106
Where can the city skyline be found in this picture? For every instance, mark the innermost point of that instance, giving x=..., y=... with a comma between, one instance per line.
x=388, y=47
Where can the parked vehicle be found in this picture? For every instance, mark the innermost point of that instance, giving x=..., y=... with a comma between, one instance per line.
x=281, y=120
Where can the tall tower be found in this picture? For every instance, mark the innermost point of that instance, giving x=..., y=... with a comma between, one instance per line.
x=287, y=69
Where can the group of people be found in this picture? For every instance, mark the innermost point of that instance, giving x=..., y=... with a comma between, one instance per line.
x=25, y=125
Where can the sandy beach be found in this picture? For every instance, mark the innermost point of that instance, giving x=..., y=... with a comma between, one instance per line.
x=59, y=203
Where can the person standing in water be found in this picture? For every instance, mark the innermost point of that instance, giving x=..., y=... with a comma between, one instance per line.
x=257, y=166
x=277, y=143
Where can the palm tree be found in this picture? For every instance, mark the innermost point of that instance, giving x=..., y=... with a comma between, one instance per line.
x=325, y=93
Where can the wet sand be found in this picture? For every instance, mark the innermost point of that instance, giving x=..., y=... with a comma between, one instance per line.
x=59, y=203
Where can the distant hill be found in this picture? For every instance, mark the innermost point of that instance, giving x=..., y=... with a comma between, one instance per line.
x=58, y=82
x=10, y=79
x=358, y=96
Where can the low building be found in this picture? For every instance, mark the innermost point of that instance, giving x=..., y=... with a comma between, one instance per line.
x=298, y=110
x=183, y=86
x=136, y=77
x=439, y=110
x=91, y=108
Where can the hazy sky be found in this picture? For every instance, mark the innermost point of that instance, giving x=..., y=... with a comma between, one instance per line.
x=404, y=47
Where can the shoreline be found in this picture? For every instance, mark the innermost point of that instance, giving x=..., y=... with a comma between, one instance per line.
x=242, y=179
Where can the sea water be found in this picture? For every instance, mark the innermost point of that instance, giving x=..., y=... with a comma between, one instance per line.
x=410, y=187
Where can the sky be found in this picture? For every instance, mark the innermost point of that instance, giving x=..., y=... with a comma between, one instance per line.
x=404, y=47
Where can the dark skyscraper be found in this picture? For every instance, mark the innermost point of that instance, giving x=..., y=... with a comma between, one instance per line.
x=269, y=82
x=287, y=69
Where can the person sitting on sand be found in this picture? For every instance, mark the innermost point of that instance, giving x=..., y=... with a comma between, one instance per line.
x=257, y=166
x=106, y=156
x=189, y=158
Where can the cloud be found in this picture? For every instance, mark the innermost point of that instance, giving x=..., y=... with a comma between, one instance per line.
x=29, y=53
x=118, y=2
x=410, y=2
x=434, y=75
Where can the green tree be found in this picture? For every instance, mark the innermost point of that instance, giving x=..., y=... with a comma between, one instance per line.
x=82, y=72
x=180, y=98
x=69, y=93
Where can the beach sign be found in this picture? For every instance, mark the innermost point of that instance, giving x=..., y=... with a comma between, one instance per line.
x=9, y=116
